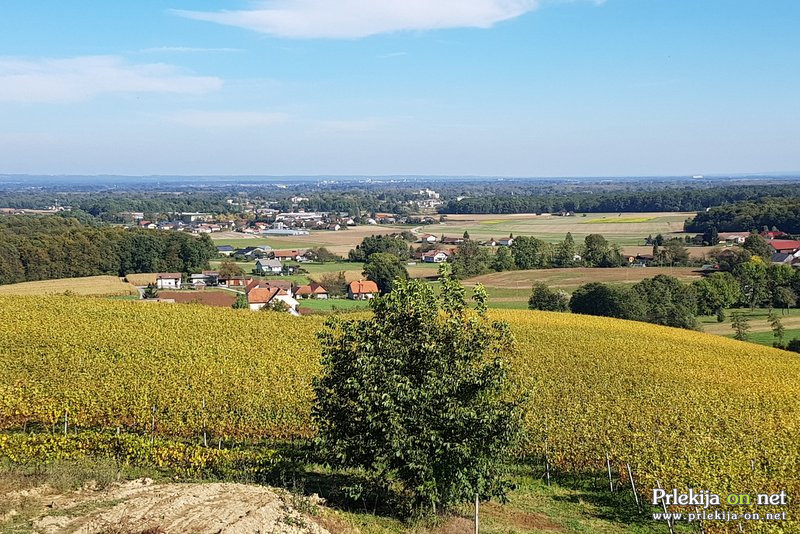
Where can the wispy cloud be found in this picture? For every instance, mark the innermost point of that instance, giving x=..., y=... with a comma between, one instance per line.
x=227, y=119
x=188, y=50
x=82, y=78
x=347, y=19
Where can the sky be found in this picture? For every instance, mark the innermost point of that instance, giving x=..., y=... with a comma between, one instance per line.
x=400, y=87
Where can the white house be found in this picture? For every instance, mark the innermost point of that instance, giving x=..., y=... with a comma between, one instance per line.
x=507, y=242
x=435, y=256
x=169, y=280
x=259, y=297
x=428, y=238
x=264, y=266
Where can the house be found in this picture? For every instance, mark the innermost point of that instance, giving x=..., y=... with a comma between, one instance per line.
x=334, y=227
x=435, y=256
x=233, y=281
x=734, y=238
x=428, y=238
x=268, y=267
x=252, y=252
x=258, y=297
x=362, y=290
x=225, y=250
x=787, y=246
x=284, y=285
x=773, y=234
x=452, y=240
x=781, y=258
x=147, y=225
x=169, y=280
x=311, y=291
x=286, y=255
x=507, y=242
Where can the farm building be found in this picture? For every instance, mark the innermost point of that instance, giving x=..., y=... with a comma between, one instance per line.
x=435, y=256
x=260, y=295
x=311, y=291
x=268, y=267
x=169, y=280
x=225, y=250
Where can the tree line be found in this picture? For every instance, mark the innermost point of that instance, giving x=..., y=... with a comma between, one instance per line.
x=781, y=213
x=44, y=248
x=659, y=200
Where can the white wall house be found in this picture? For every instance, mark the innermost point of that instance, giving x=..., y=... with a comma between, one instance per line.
x=169, y=280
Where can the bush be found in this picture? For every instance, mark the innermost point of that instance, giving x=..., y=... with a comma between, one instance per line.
x=794, y=345
x=608, y=301
x=545, y=299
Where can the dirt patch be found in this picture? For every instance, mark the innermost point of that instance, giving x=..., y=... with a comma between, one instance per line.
x=520, y=519
x=220, y=299
x=142, y=506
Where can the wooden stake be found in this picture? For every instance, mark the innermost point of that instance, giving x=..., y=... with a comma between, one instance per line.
x=477, y=515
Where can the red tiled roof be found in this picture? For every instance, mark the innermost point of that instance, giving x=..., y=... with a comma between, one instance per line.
x=784, y=244
x=362, y=287
x=311, y=289
x=262, y=295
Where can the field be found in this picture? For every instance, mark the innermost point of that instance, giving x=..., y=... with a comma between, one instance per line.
x=759, y=323
x=684, y=408
x=207, y=297
x=142, y=279
x=92, y=286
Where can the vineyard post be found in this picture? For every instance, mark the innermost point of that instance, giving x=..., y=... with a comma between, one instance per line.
x=666, y=513
x=152, y=424
x=608, y=464
x=633, y=488
x=477, y=515
x=65, y=423
x=547, y=468
x=205, y=436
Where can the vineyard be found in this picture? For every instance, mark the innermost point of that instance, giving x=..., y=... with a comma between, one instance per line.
x=682, y=409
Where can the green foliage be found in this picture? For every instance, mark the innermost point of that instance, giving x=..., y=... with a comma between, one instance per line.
x=415, y=395
x=740, y=325
x=716, y=292
x=384, y=269
x=470, y=259
x=276, y=306
x=778, y=330
x=752, y=277
x=503, y=260
x=668, y=302
x=783, y=213
x=545, y=299
x=730, y=258
x=757, y=246
x=794, y=345
x=150, y=292
x=335, y=283
x=673, y=253
x=380, y=244
x=241, y=302
x=322, y=255
x=608, y=301
x=565, y=252
x=229, y=269
x=531, y=253
x=600, y=253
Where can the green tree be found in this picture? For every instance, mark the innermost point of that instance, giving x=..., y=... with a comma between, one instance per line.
x=608, y=301
x=600, y=253
x=711, y=236
x=531, y=253
x=757, y=246
x=565, y=252
x=241, y=302
x=668, y=302
x=150, y=292
x=752, y=277
x=740, y=325
x=503, y=260
x=379, y=243
x=545, y=299
x=470, y=259
x=716, y=292
x=674, y=252
x=417, y=395
x=322, y=255
x=229, y=269
x=383, y=269
x=778, y=331
x=334, y=283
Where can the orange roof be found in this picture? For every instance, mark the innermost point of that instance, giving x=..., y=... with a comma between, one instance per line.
x=286, y=253
x=311, y=289
x=262, y=295
x=363, y=286
x=168, y=276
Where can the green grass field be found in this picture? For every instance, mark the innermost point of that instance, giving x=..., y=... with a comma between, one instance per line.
x=331, y=305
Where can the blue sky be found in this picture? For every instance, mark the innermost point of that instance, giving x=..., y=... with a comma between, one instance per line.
x=453, y=87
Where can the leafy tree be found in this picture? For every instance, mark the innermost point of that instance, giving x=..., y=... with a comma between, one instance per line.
x=383, y=269
x=740, y=325
x=752, y=277
x=276, y=306
x=322, y=255
x=779, y=283
x=674, y=252
x=150, y=292
x=716, y=292
x=503, y=260
x=778, y=331
x=531, y=253
x=241, y=302
x=334, y=283
x=417, y=395
x=466, y=235
x=784, y=298
x=229, y=269
x=608, y=301
x=794, y=345
x=729, y=258
x=757, y=246
x=545, y=299
x=380, y=244
x=600, y=253
x=470, y=259
x=711, y=236
x=668, y=302
x=565, y=252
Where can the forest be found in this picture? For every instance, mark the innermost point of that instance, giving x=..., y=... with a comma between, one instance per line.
x=781, y=213
x=42, y=248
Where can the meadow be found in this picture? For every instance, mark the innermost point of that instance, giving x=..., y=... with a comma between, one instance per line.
x=683, y=408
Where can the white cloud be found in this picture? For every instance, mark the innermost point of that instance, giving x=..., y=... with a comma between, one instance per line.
x=345, y=19
x=82, y=78
x=227, y=119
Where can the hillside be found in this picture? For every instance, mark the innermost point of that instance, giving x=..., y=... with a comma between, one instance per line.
x=682, y=408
